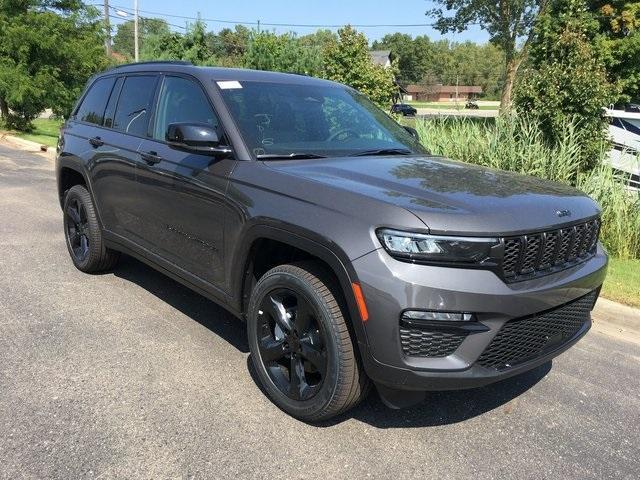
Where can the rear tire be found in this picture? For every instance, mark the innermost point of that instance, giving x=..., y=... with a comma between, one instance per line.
x=83, y=233
x=300, y=343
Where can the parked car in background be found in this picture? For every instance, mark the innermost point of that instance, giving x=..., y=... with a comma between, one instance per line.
x=632, y=107
x=472, y=105
x=404, y=109
x=354, y=256
x=624, y=156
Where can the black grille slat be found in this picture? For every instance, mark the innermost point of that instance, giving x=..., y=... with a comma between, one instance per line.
x=549, y=252
x=527, y=338
x=535, y=254
x=511, y=256
x=565, y=243
x=530, y=257
x=424, y=343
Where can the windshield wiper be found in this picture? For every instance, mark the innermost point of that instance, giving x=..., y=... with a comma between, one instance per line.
x=287, y=156
x=383, y=151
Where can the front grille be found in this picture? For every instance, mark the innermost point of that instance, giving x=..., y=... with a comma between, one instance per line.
x=528, y=256
x=527, y=338
x=424, y=343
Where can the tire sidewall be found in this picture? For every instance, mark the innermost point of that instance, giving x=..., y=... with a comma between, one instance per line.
x=316, y=404
x=82, y=195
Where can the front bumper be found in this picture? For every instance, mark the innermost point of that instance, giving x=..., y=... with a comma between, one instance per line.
x=390, y=286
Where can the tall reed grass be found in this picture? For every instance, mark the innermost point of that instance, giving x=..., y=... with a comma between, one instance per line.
x=517, y=144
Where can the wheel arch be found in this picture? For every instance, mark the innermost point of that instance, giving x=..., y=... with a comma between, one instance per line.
x=70, y=173
x=313, y=247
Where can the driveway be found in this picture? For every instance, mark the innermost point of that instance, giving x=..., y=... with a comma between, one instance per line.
x=128, y=374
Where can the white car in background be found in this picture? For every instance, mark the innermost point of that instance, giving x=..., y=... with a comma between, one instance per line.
x=624, y=131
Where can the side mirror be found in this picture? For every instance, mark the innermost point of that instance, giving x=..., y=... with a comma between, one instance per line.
x=413, y=132
x=195, y=137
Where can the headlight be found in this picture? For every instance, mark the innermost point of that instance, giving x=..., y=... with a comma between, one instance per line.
x=434, y=248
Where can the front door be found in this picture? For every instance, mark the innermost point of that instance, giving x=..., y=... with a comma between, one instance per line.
x=182, y=192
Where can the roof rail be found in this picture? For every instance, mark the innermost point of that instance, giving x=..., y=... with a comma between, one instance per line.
x=155, y=62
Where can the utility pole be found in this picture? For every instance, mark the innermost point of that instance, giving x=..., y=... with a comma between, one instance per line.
x=258, y=25
x=135, y=29
x=107, y=42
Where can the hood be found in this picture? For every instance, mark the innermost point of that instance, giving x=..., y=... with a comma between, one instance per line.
x=451, y=197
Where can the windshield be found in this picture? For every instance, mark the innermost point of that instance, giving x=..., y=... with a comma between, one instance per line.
x=313, y=120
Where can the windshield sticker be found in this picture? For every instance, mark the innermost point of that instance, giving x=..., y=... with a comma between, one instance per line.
x=229, y=84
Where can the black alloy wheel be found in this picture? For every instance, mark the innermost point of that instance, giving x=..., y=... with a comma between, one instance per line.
x=77, y=226
x=291, y=344
x=83, y=233
x=301, y=349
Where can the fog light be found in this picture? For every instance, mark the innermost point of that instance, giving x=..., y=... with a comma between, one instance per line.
x=437, y=316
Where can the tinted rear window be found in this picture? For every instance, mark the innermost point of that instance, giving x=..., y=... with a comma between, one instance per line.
x=134, y=104
x=92, y=107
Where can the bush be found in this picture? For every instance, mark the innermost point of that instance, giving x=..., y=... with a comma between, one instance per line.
x=565, y=79
x=518, y=144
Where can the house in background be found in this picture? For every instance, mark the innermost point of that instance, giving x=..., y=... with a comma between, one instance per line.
x=441, y=93
x=381, y=57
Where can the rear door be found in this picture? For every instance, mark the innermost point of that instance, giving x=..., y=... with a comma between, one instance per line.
x=126, y=125
x=109, y=158
x=182, y=192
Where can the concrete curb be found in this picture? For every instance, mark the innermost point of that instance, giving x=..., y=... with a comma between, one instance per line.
x=616, y=319
x=28, y=145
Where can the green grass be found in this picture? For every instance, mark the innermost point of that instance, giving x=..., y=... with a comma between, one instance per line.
x=623, y=282
x=45, y=132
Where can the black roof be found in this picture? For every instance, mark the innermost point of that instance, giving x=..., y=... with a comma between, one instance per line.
x=219, y=73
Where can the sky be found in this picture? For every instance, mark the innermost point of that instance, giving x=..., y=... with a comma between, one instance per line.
x=333, y=12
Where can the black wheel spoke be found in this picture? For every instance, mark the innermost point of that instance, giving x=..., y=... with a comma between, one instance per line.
x=73, y=214
x=303, y=317
x=297, y=382
x=314, y=355
x=272, y=350
x=84, y=244
x=279, y=313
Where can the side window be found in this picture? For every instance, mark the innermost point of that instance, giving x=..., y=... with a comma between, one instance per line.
x=181, y=100
x=134, y=105
x=111, y=105
x=92, y=107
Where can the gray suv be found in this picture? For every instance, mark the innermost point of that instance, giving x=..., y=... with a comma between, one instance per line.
x=354, y=256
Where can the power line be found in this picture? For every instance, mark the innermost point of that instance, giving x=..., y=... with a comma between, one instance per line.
x=267, y=24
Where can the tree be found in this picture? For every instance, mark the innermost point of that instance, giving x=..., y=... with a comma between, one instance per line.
x=123, y=40
x=48, y=50
x=229, y=46
x=414, y=55
x=619, y=22
x=282, y=53
x=565, y=80
x=506, y=21
x=347, y=61
x=192, y=46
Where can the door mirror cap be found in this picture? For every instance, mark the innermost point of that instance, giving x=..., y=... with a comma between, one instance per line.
x=196, y=137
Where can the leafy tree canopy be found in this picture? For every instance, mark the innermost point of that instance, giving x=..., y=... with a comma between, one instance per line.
x=506, y=21
x=123, y=40
x=48, y=50
x=347, y=61
x=566, y=79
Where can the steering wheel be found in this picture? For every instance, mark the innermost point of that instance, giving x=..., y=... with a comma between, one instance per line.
x=345, y=133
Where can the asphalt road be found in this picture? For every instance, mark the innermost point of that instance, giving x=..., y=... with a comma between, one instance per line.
x=128, y=375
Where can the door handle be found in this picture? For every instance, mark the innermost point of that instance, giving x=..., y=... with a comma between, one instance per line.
x=151, y=157
x=96, y=142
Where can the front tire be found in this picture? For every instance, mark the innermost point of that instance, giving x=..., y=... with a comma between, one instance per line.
x=83, y=233
x=300, y=344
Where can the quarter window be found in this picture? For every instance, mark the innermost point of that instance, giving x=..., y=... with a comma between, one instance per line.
x=181, y=100
x=134, y=105
x=91, y=109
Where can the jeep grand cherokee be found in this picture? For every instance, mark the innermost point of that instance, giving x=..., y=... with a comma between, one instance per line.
x=355, y=257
